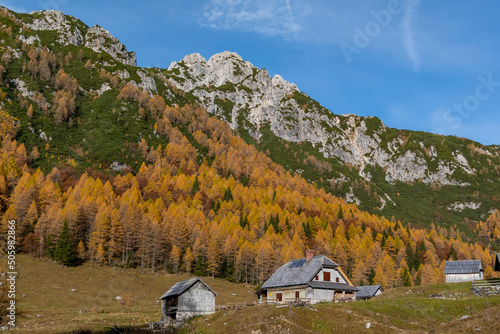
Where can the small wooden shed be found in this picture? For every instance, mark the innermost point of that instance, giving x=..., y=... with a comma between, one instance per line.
x=368, y=291
x=187, y=299
x=463, y=271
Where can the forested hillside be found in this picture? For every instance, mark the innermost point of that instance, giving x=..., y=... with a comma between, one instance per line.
x=97, y=166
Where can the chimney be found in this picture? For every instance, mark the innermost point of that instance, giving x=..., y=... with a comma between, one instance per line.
x=309, y=254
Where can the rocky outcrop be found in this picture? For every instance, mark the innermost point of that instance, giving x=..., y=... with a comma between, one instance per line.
x=457, y=206
x=104, y=88
x=30, y=40
x=148, y=83
x=56, y=20
x=22, y=87
x=71, y=31
x=101, y=40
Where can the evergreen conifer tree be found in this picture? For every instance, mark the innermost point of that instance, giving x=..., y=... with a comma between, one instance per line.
x=371, y=276
x=63, y=252
x=196, y=186
x=452, y=255
x=340, y=214
x=405, y=277
x=50, y=246
x=418, y=280
x=410, y=257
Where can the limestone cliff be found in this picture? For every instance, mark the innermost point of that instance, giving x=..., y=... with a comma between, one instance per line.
x=257, y=99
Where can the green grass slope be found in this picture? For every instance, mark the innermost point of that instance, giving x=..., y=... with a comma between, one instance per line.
x=402, y=310
x=46, y=303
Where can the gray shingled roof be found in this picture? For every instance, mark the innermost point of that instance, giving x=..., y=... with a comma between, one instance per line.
x=180, y=287
x=463, y=267
x=367, y=291
x=298, y=272
x=331, y=286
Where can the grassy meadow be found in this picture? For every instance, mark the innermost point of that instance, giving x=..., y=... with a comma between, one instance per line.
x=47, y=304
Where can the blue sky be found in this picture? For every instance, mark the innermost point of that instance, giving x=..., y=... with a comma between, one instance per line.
x=416, y=64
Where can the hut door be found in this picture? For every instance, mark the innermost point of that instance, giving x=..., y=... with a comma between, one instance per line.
x=279, y=297
x=297, y=295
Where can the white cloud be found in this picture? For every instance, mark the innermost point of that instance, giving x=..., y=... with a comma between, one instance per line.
x=407, y=24
x=266, y=17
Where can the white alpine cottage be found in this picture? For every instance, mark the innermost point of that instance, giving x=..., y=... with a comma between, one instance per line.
x=463, y=271
x=312, y=279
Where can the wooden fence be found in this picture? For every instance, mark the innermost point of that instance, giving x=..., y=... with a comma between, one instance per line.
x=230, y=306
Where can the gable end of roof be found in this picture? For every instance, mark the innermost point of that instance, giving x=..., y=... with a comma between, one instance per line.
x=182, y=286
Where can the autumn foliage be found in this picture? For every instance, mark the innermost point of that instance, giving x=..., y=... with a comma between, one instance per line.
x=210, y=204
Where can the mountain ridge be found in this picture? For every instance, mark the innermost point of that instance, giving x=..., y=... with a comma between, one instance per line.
x=271, y=105
x=75, y=32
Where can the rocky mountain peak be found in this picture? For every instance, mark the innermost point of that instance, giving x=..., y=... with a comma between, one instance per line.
x=49, y=20
x=278, y=81
x=56, y=20
x=226, y=76
x=192, y=59
x=225, y=57
x=73, y=31
x=222, y=68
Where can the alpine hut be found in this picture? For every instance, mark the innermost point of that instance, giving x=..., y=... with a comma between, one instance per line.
x=368, y=291
x=463, y=271
x=311, y=279
x=187, y=299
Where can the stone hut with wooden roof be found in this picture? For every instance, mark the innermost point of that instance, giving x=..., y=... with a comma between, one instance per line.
x=463, y=271
x=368, y=291
x=312, y=279
x=187, y=299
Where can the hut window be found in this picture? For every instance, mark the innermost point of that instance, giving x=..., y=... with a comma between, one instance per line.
x=337, y=279
x=316, y=278
x=326, y=277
